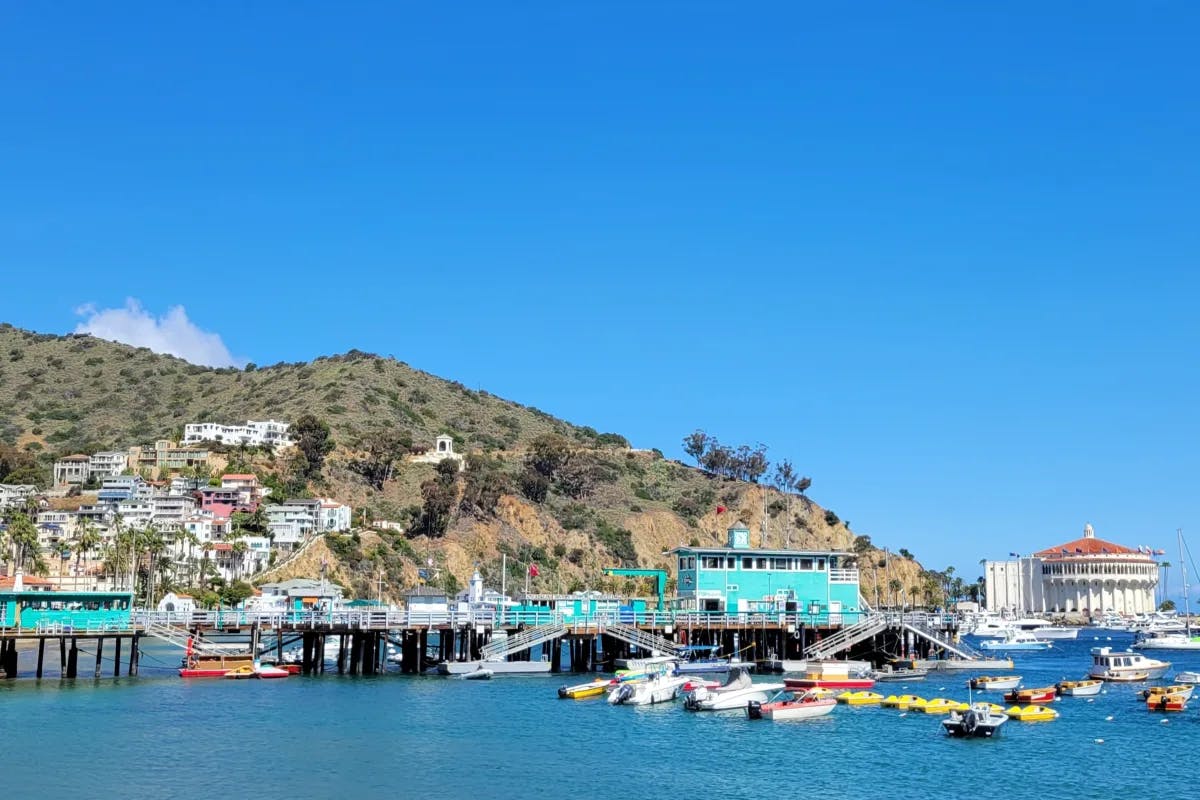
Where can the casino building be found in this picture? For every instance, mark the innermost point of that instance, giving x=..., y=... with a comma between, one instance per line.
x=1086, y=576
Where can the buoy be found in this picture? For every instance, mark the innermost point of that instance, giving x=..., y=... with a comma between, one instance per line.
x=905, y=714
x=1098, y=741
x=1110, y=719
x=1091, y=699
x=1165, y=721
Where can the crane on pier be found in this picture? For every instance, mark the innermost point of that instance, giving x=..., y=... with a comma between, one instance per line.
x=659, y=575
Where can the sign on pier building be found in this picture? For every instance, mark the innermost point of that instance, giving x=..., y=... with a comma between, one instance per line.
x=822, y=584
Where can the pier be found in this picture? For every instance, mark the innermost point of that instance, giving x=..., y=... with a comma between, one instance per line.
x=357, y=642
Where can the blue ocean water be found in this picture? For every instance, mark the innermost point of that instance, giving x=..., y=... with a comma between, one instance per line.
x=157, y=736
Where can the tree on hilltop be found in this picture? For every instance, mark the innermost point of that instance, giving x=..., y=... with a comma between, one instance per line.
x=312, y=438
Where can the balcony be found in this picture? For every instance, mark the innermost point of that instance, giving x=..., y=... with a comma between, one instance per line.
x=843, y=576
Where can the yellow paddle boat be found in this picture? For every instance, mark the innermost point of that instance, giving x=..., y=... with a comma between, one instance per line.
x=581, y=691
x=860, y=698
x=1031, y=713
x=941, y=705
x=903, y=702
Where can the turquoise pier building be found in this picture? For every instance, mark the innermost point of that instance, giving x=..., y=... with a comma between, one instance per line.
x=819, y=586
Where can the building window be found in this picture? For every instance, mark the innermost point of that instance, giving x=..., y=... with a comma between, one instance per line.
x=747, y=563
x=731, y=563
x=806, y=564
x=711, y=562
x=760, y=563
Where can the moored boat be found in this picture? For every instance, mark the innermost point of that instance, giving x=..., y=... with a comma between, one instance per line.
x=496, y=667
x=1046, y=694
x=736, y=693
x=980, y=720
x=260, y=671
x=1108, y=665
x=790, y=706
x=903, y=702
x=1163, y=701
x=1016, y=640
x=890, y=675
x=832, y=675
x=1031, y=713
x=1187, y=676
x=940, y=705
x=654, y=689
x=860, y=698
x=1084, y=688
x=1183, y=690
x=995, y=682
x=213, y=666
x=581, y=691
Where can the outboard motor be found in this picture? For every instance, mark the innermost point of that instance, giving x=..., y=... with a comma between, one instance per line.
x=622, y=693
x=754, y=709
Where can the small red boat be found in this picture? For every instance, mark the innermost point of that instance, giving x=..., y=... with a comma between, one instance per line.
x=1166, y=702
x=1024, y=697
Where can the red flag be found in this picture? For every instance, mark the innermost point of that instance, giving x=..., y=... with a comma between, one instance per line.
x=533, y=571
x=721, y=509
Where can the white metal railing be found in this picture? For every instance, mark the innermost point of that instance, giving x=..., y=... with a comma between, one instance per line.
x=843, y=576
x=379, y=619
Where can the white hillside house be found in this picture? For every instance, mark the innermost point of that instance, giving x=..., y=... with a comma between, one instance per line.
x=268, y=433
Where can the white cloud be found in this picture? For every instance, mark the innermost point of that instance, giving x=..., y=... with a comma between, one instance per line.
x=172, y=333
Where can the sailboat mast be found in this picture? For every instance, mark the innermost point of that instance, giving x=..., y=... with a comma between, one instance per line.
x=1187, y=607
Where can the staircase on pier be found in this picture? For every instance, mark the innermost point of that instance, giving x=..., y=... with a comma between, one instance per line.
x=643, y=640
x=865, y=628
x=503, y=647
x=875, y=623
x=939, y=639
x=177, y=636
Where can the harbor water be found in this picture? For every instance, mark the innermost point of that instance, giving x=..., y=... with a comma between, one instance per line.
x=157, y=736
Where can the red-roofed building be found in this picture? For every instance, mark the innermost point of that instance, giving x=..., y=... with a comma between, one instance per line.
x=1085, y=576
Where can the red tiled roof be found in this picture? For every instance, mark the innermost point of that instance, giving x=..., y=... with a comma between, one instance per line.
x=6, y=584
x=1087, y=546
x=239, y=477
x=220, y=546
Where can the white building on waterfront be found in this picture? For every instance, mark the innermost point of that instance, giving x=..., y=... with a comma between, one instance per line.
x=267, y=433
x=1087, y=576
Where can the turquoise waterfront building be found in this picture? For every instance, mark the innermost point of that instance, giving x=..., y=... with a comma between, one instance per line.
x=33, y=608
x=820, y=586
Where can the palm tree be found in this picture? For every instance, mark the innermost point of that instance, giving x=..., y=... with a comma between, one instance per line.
x=191, y=539
x=240, y=548
x=23, y=539
x=895, y=585
x=86, y=539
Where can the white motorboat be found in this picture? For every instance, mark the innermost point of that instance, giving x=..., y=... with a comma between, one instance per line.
x=1108, y=665
x=734, y=694
x=1178, y=640
x=646, y=664
x=1187, y=676
x=659, y=688
x=992, y=628
x=981, y=720
x=477, y=675
x=496, y=667
x=1016, y=640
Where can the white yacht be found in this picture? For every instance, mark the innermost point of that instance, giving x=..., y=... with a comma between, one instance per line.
x=1044, y=629
x=1109, y=665
x=1175, y=640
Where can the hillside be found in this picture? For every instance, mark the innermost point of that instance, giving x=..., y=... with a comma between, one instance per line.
x=594, y=502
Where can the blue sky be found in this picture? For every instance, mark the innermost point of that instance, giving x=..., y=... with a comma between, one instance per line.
x=940, y=256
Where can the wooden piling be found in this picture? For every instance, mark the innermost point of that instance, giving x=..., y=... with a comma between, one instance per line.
x=99, y=656
x=117, y=659
x=41, y=655
x=73, y=659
